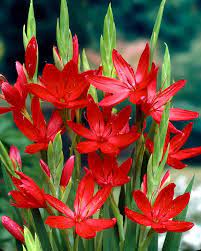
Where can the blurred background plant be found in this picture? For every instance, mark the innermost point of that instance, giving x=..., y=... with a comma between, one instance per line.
x=134, y=21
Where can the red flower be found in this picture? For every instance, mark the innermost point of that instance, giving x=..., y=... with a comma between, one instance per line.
x=153, y=104
x=176, y=154
x=38, y=131
x=31, y=55
x=159, y=215
x=66, y=88
x=104, y=135
x=15, y=95
x=130, y=85
x=86, y=204
x=15, y=157
x=13, y=228
x=106, y=171
x=67, y=172
x=28, y=193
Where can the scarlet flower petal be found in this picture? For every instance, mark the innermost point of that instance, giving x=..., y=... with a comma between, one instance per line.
x=108, y=148
x=34, y=148
x=136, y=217
x=14, y=155
x=106, y=84
x=84, y=193
x=54, y=126
x=124, y=140
x=177, y=206
x=123, y=69
x=59, y=205
x=41, y=92
x=114, y=99
x=75, y=49
x=125, y=166
x=81, y=130
x=37, y=115
x=177, y=114
x=175, y=163
x=187, y=153
x=5, y=109
x=142, y=202
x=25, y=126
x=11, y=94
x=84, y=230
x=164, y=96
x=143, y=64
x=96, y=202
x=95, y=118
x=87, y=146
x=101, y=224
x=178, y=226
x=121, y=119
x=179, y=140
x=60, y=222
x=163, y=200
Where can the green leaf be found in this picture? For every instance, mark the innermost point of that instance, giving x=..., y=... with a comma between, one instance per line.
x=41, y=230
x=172, y=240
x=5, y=159
x=154, y=243
x=156, y=29
x=166, y=70
x=55, y=159
x=63, y=34
x=108, y=43
x=30, y=30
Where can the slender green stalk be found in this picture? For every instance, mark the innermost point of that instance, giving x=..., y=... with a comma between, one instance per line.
x=76, y=243
x=119, y=218
x=40, y=229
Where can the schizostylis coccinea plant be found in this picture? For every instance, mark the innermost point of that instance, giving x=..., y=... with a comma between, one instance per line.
x=87, y=197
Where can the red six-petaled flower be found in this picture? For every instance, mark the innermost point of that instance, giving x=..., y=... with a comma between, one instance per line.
x=85, y=205
x=105, y=171
x=104, y=135
x=66, y=88
x=130, y=85
x=37, y=130
x=159, y=216
x=175, y=153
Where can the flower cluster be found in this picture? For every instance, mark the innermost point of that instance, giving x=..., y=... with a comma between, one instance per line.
x=99, y=131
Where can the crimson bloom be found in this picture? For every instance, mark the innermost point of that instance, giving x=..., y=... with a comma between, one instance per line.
x=85, y=205
x=31, y=55
x=130, y=85
x=28, y=193
x=159, y=216
x=15, y=157
x=15, y=95
x=104, y=135
x=176, y=154
x=106, y=171
x=13, y=228
x=153, y=104
x=66, y=88
x=38, y=131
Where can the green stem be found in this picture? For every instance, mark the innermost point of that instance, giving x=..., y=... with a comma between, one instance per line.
x=40, y=229
x=119, y=218
x=145, y=238
x=76, y=243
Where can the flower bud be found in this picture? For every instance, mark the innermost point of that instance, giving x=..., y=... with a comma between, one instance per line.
x=67, y=171
x=15, y=157
x=13, y=228
x=31, y=56
x=45, y=168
